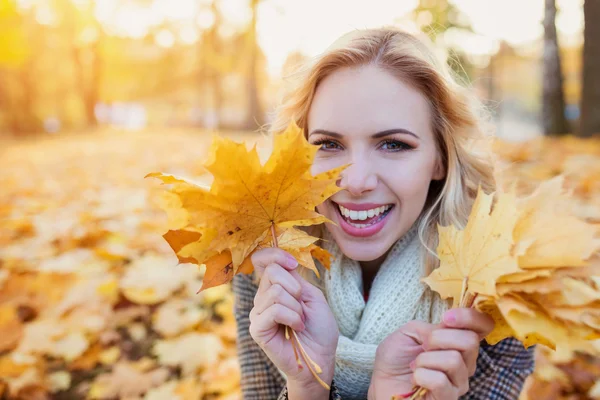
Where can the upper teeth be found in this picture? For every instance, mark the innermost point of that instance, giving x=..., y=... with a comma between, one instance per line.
x=364, y=214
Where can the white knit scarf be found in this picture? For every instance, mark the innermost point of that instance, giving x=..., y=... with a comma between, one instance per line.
x=397, y=296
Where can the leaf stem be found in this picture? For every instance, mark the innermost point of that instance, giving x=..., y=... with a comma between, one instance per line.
x=274, y=236
x=309, y=361
x=313, y=367
x=287, y=336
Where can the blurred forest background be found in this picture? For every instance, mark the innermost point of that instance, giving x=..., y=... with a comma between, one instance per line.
x=70, y=65
x=95, y=94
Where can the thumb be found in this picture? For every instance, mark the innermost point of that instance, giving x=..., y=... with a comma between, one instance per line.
x=418, y=331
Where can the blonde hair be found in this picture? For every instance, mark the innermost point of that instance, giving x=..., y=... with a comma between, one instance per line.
x=459, y=122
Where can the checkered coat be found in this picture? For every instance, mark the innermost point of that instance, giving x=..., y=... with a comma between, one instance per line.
x=501, y=369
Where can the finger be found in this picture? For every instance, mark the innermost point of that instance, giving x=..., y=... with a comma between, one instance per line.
x=469, y=318
x=276, y=294
x=275, y=274
x=278, y=314
x=450, y=362
x=436, y=383
x=272, y=255
x=452, y=339
x=464, y=341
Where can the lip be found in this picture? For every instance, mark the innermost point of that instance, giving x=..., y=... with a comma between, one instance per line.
x=362, y=232
x=360, y=206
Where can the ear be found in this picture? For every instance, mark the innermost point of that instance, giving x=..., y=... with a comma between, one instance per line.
x=438, y=171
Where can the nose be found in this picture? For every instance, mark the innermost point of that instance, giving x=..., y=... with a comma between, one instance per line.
x=358, y=178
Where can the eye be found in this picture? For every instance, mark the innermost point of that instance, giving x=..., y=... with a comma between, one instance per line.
x=327, y=144
x=394, y=145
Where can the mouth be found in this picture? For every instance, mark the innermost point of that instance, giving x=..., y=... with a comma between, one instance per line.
x=363, y=220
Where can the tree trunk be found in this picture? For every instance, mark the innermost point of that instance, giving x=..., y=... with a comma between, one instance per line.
x=590, y=94
x=28, y=121
x=88, y=84
x=254, y=116
x=553, y=100
x=3, y=95
x=215, y=76
x=93, y=89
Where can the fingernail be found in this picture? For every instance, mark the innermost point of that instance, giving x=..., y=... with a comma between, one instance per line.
x=412, y=365
x=450, y=317
x=405, y=395
x=291, y=261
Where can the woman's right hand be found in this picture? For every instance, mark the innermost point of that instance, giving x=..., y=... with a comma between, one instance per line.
x=285, y=298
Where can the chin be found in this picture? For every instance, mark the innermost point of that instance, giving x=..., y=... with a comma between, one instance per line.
x=364, y=251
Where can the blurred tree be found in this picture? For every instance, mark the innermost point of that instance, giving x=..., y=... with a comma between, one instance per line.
x=553, y=100
x=254, y=114
x=13, y=53
x=217, y=70
x=435, y=18
x=21, y=36
x=294, y=61
x=49, y=65
x=84, y=34
x=213, y=63
x=590, y=96
x=13, y=47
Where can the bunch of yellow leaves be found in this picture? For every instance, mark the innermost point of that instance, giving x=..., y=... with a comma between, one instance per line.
x=526, y=264
x=530, y=265
x=249, y=206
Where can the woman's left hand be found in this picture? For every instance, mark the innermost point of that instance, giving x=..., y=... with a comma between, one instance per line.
x=446, y=356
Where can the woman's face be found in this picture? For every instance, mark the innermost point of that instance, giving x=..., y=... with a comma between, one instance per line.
x=368, y=118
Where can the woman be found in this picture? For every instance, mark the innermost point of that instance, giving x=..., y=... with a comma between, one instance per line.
x=381, y=101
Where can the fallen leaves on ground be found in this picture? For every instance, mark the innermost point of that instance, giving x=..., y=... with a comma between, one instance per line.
x=93, y=302
x=81, y=258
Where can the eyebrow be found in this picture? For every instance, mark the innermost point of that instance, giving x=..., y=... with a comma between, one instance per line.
x=374, y=136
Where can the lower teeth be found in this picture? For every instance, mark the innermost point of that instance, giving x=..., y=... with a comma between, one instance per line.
x=360, y=226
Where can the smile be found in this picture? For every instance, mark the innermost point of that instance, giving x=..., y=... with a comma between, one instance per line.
x=363, y=219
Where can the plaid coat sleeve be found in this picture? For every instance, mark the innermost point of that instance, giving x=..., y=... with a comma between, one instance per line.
x=501, y=369
x=260, y=378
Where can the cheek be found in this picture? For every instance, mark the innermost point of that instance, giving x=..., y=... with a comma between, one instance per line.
x=408, y=180
x=324, y=163
x=321, y=209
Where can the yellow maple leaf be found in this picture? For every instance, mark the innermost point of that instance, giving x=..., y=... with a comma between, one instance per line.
x=547, y=234
x=502, y=330
x=509, y=310
x=531, y=325
x=578, y=293
x=302, y=247
x=219, y=267
x=178, y=238
x=246, y=202
x=536, y=285
x=219, y=270
x=478, y=255
x=527, y=275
